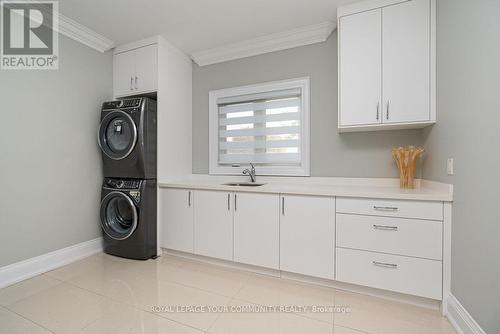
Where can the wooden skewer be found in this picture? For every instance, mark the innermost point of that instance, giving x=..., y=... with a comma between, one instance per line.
x=406, y=161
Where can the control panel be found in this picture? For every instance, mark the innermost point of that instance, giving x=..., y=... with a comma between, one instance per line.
x=126, y=103
x=122, y=183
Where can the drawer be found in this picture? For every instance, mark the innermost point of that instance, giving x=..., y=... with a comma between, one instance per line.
x=391, y=208
x=411, y=237
x=419, y=277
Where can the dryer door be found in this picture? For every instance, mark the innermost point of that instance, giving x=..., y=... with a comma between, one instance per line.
x=117, y=135
x=118, y=215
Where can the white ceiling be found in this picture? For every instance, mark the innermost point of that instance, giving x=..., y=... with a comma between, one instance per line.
x=195, y=25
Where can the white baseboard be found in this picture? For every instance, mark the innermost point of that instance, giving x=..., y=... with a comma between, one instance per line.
x=19, y=271
x=460, y=319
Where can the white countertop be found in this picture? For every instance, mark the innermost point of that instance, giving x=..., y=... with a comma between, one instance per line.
x=320, y=186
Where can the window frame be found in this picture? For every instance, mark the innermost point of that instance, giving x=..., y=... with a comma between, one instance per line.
x=303, y=170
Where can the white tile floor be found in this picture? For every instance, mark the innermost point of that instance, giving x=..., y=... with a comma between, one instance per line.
x=104, y=294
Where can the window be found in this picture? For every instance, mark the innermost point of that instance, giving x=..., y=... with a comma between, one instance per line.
x=265, y=124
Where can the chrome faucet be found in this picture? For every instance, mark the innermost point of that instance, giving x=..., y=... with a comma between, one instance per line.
x=250, y=172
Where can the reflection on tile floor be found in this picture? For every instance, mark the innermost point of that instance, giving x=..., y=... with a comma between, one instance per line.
x=105, y=294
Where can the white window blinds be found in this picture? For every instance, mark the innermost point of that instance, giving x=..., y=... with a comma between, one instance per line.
x=263, y=128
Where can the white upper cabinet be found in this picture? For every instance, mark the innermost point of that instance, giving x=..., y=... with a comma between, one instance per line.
x=360, y=53
x=386, y=65
x=136, y=71
x=213, y=224
x=256, y=229
x=307, y=235
x=124, y=72
x=406, y=62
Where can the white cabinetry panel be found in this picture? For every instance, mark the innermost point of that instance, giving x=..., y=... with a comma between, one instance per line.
x=307, y=235
x=146, y=69
x=256, y=229
x=411, y=237
x=124, y=72
x=176, y=217
x=391, y=208
x=406, y=62
x=213, y=224
x=360, y=71
x=419, y=277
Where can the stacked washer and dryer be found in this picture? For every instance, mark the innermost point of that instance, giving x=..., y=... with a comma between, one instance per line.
x=128, y=141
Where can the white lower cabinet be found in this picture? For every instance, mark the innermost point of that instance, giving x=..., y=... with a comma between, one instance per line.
x=395, y=245
x=256, y=229
x=410, y=237
x=176, y=216
x=410, y=275
x=307, y=235
x=213, y=224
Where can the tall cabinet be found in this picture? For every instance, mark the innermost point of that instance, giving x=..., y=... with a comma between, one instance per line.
x=386, y=65
x=155, y=68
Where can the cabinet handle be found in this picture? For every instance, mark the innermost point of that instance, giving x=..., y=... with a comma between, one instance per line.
x=385, y=208
x=228, y=202
x=385, y=227
x=283, y=206
x=131, y=83
x=378, y=113
x=387, y=111
x=189, y=199
x=136, y=82
x=385, y=265
x=235, y=203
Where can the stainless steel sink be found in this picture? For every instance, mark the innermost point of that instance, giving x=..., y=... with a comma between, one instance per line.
x=243, y=184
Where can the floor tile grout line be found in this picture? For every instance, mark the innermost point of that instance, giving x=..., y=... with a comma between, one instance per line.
x=28, y=319
x=31, y=295
x=100, y=295
x=352, y=328
x=162, y=280
x=114, y=300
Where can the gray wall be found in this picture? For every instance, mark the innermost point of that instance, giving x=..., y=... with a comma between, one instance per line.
x=348, y=154
x=50, y=167
x=468, y=65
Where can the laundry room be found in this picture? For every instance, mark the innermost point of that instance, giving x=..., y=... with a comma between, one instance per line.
x=318, y=166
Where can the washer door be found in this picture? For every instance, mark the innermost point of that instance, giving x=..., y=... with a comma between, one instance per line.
x=117, y=135
x=118, y=215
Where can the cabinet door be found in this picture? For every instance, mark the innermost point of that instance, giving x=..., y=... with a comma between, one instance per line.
x=213, y=224
x=360, y=68
x=307, y=235
x=256, y=229
x=123, y=74
x=406, y=62
x=176, y=212
x=146, y=59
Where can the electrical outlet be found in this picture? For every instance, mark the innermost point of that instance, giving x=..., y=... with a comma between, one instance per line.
x=449, y=166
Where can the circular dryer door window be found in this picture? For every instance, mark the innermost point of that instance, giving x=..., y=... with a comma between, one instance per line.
x=118, y=215
x=117, y=135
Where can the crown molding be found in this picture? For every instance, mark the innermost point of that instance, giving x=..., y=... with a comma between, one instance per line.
x=80, y=33
x=316, y=33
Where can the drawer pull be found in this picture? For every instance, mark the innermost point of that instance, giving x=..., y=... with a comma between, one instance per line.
x=385, y=265
x=385, y=208
x=385, y=227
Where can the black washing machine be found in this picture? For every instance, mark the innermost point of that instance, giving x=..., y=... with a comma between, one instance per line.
x=128, y=217
x=127, y=137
